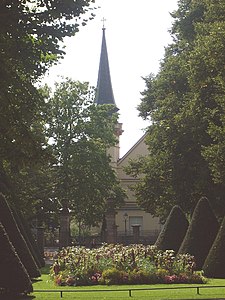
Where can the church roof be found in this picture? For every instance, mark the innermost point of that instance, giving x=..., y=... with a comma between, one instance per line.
x=134, y=148
x=104, y=94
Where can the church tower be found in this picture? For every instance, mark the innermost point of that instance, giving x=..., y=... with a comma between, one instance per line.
x=127, y=224
x=104, y=95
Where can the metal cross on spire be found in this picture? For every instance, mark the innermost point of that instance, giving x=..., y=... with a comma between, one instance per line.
x=103, y=22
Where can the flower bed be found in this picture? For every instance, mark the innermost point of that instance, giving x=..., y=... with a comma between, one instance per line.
x=118, y=264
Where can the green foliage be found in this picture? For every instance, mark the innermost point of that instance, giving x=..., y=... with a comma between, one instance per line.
x=116, y=264
x=33, y=191
x=214, y=265
x=16, y=238
x=31, y=35
x=185, y=104
x=80, y=133
x=173, y=231
x=32, y=32
x=112, y=276
x=201, y=232
x=14, y=278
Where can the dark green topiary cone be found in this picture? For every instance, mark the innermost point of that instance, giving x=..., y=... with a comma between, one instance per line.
x=33, y=241
x=26, y=233
x=9, y=223
x=214, y=265
x=14, y=278
x=201, y=232
x=173, y=231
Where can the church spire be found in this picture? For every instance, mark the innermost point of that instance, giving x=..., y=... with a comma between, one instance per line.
x=104, y=93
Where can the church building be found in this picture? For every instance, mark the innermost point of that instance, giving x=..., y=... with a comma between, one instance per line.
x=132, y=223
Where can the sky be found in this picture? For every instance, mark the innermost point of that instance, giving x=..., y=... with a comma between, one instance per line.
x=136, y=35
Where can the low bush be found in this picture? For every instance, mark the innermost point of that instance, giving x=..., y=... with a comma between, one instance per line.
x=117, y=264
x=112, y=276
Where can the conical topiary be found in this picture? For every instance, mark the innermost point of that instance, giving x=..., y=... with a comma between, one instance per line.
x=173, y=231
x=201, y=232
x=9, y=223
x=214, y=265
x=33, y=241
x=26, y=233
x=14, y=278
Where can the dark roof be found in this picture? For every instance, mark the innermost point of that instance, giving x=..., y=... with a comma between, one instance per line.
x=104, y=94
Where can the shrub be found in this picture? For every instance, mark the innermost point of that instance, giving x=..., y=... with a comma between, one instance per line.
x=197, y=277
x=161, y=274
x=173, y=231
x=9, y=223
x=13, y=276
x=201, y=232
x=214, y=265
x=141, y=277
x=112, y=276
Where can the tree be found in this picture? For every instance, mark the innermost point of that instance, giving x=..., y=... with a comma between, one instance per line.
x=214, y=265
x=174, y=230
x=184, y=104
x=208, y=79
x=201, y=233
x=14, y=278
x=30, y=42
x=81, y=132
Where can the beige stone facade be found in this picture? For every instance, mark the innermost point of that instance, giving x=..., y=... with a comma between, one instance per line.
x=130, y=215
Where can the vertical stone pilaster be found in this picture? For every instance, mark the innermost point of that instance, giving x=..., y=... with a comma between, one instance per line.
x=64, y=229
x=40, y=239
x=111, y=228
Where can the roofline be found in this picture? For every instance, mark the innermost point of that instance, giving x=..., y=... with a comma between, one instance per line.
x=133, y=147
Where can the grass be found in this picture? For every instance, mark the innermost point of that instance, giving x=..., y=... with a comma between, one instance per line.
x=205, y=293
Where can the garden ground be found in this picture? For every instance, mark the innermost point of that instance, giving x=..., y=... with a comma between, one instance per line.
x=45, y=283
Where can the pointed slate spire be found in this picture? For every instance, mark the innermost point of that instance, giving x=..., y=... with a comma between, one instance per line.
x=104, y=93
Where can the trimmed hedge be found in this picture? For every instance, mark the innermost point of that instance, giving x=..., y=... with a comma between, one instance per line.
x=201, y=232
x=16, y=238
x=27, y=234
x=14, y=278
x=173, y=231
x=214, y=265
x=33, y=241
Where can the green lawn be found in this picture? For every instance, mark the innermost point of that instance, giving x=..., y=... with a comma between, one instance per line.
x=205, y=293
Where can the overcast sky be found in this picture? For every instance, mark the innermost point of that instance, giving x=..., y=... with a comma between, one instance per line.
x=136, y=34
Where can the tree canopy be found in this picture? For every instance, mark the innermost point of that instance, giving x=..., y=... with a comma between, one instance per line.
x=31, y=33
x=185, y=104
x=80, y=133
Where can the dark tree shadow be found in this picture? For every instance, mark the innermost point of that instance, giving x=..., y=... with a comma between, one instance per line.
x=16, y=297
